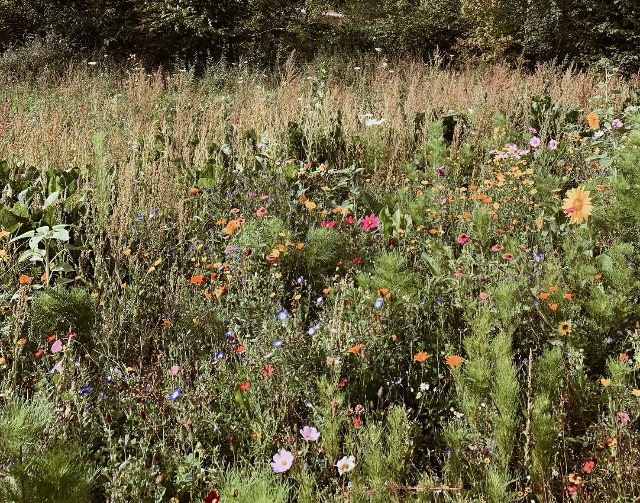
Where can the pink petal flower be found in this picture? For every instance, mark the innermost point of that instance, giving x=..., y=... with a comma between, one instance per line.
x=57, y=346
x=174, y=370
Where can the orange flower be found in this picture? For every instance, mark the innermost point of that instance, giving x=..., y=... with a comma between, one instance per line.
x=593, y=120
x=219, y=292
x=299, y=246
x=357, y=422
x=25, y=280
x=597, y=277
x=127, y=252
x=421, y=357
x=194, y=191
x=544, y=295
x=605, y=382
x=198, y=279
x=553, y=307
x=569, y=296
x=553, y=289
x=433, y=232
x=208, y=295
x=310, y=205
x=355, y=349
x=454, y=360
x=231, y=227
x=44, y=277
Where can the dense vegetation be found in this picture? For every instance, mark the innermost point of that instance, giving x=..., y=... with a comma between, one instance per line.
x=263, y=33
x=394, y=282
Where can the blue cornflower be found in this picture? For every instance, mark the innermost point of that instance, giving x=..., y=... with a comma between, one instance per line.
x=176, y=393
x=319, y=301
x=378, y=303
x=283, y=315
x=154, y=212
x=229, y=336
x=278, y=344
x=218, y=357
x=140, y=217
x=313, y=329
x=85, y=390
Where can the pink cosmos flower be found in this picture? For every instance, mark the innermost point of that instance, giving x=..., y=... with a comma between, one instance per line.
x=623, y=417
x=534, y=142
x=497, y=248
x=507, y=256
x=369, y=223
x=310, y=434
x=174, y=370
x=58, y=368
x=553, y=144
x=463, y=239
x=589, y=466
x=282, y=461
x=56, y=347
x=483, y=296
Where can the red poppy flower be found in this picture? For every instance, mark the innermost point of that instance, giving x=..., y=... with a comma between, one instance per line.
x=245, y=386
x=39, y=353
x=342, y=383
x=241, y=349
x=268, y=371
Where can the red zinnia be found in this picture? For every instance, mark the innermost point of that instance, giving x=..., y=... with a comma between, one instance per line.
x=245, y=386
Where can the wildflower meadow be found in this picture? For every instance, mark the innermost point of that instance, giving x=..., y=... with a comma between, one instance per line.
x=372, y=282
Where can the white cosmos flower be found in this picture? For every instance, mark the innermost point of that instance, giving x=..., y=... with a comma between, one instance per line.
x=346, y=464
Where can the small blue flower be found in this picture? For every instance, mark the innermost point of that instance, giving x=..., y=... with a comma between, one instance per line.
x=154, y=212
x=229, y=336
x=313, y=329
x=85, y=390
x=176, y=393
x=219, y=356
x=140, y=217
x=300, y=280
x=283, y=315
x=378, y=303
x=319, y=301
x=278, y=344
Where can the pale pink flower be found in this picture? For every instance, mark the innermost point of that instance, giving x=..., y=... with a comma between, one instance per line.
x=483, y=296
x=310, y=434
x=57, y=346
x=534, y=142
x=497, y=248
x=174, y=370
x=623, y=417
x=553, y=144
x=463, y=239
x=282, y=461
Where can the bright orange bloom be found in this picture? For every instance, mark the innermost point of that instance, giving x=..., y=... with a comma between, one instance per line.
x=355, y=349
x=357, y=422
x=553, y=307
x=421, y=357
x=198, y=279
x=193, y=191
x=219, y=292
x=231, y=227
x=454, y=360
x=44, y=277
x=569, y=296
x=553, y=289
x=544, y=295
x=25, y=280
x=593, y=120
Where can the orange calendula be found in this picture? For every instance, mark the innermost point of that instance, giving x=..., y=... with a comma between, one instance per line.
x=25, y=280
x=355, y=349
x=454, y=360
x=594, y=121
x=198, y=279
x=421, y=357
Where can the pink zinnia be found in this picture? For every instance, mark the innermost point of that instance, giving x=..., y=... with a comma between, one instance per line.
x=463, y=239
x=329, y=224
x=369, y=223
x=497, y=248
x=508, y=256
x=350, y=220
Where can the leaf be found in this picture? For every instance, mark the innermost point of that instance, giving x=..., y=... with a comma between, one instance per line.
x=60, y=235
x=63, y=267
x=51, y=199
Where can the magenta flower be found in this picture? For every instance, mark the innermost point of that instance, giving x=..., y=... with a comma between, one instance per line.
x=282, y=461
x=463, y=239
x=329, y=224
x=553, y=144
x=369, y=223
x=310, y=434
x=497, y=248
x=623, y=417
x=350, y=220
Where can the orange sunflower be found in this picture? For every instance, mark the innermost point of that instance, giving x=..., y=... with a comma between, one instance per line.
x=577, y=205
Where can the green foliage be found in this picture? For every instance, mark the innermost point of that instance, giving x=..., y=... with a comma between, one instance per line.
x=58, y=310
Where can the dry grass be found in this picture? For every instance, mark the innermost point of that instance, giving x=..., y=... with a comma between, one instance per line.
x=107, y=121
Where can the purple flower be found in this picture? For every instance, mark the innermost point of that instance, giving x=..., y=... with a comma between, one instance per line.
x=175, y=394
x=616, y=123
x=534, y=142
x=553, y=144
x=440, y=172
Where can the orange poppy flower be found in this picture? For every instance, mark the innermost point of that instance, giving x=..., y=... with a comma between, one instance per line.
x=310, y=205
x=357, y=422
x=300, y=246
x=569, y=296
x=208, y=295
x=421, y=357
x=44, y=277
x=553, y=307
x=194, y=191
x=219, y=292
x=25, y=280
x=553, y=289
x=355, y=349
x=231, y=227
x=544, y=295
x=593, y=120
x=198, y=279
x=454, y=360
